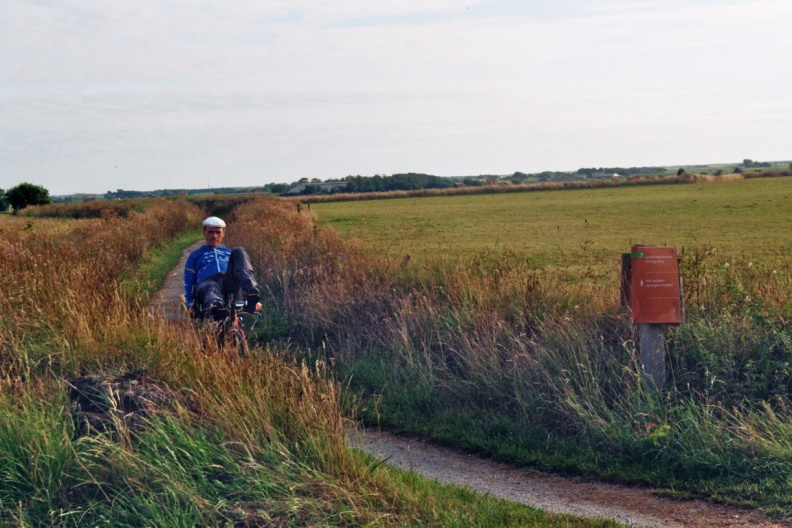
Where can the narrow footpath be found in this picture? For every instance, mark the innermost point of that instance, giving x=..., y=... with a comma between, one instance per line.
x=633, y=506
x=168, y=302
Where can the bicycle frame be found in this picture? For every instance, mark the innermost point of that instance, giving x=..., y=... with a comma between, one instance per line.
x=229, y=329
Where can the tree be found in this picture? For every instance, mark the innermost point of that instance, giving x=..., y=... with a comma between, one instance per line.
x=279, y=188
x=311, y=189
x=3, y=201
x=26, y=194
x=519, y=177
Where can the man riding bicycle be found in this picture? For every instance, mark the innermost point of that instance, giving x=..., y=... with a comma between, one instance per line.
x=213, y=272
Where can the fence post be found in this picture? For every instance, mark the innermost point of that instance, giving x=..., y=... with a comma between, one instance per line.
x=652, y=348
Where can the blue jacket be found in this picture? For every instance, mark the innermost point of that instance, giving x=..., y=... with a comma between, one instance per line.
x=203, y=263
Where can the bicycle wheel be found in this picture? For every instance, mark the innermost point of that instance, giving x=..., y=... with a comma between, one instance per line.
x=236, y=336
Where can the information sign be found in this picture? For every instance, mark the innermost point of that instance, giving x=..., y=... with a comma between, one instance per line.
x=654, y=285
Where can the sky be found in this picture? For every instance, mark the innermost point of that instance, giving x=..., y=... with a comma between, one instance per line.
x=164, y=94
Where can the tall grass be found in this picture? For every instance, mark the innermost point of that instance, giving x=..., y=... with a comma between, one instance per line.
x=212, y=204
x=109, y=415
x=533, y=367
x=63, y=315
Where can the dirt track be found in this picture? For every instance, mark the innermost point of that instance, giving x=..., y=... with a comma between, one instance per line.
x=168, y=301
x=630, y=505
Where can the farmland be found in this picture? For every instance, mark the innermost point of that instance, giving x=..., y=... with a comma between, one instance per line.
x=474, y=342
x=576, y=229
x=477, y=342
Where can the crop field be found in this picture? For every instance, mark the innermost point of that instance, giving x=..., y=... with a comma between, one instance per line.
x=577, y=229
x=19, y=226
x=490, y=354
x=503, y=332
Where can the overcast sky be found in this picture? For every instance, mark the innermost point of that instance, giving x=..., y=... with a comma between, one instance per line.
x=148, y=94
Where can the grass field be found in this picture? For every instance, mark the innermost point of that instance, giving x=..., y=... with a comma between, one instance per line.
x=499, y=337
x=112, y=417
x=486, y=355
x=577, y=228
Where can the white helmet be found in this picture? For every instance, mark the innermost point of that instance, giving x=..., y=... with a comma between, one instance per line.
x=213, y=221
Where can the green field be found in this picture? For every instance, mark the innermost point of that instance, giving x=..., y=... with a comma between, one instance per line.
x=577, y=228
x=540, y=366
x=486, y=356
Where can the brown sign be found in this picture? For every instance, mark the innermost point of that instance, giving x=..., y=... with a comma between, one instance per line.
x=654, y=285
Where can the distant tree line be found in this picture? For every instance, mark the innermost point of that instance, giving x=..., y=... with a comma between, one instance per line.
x=751, y=164
x=621, y=170
x=555, y=175
x=123, y=194
x=410, y=181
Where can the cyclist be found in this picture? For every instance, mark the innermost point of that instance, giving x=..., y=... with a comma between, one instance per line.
x=213, y=272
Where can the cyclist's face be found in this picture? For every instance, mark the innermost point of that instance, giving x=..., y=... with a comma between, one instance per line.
x=214, y=236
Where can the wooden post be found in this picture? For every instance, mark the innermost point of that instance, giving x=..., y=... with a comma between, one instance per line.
x=652, y=344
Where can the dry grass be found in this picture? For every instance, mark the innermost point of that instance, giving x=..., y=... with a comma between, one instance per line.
x=457, y=351
x=256, y=439
x=61, y=294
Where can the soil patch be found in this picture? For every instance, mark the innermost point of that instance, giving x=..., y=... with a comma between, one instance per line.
x=106, y=403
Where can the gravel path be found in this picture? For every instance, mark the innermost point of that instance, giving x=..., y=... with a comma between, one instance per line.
x=587, y=498
x=633, y=506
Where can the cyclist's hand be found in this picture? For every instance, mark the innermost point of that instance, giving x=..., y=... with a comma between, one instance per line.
x=258, y=307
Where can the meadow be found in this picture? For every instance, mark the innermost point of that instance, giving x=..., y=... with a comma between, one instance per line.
x=111, y=416
x=576, y=229
x=484, y=349
x=529, y=361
